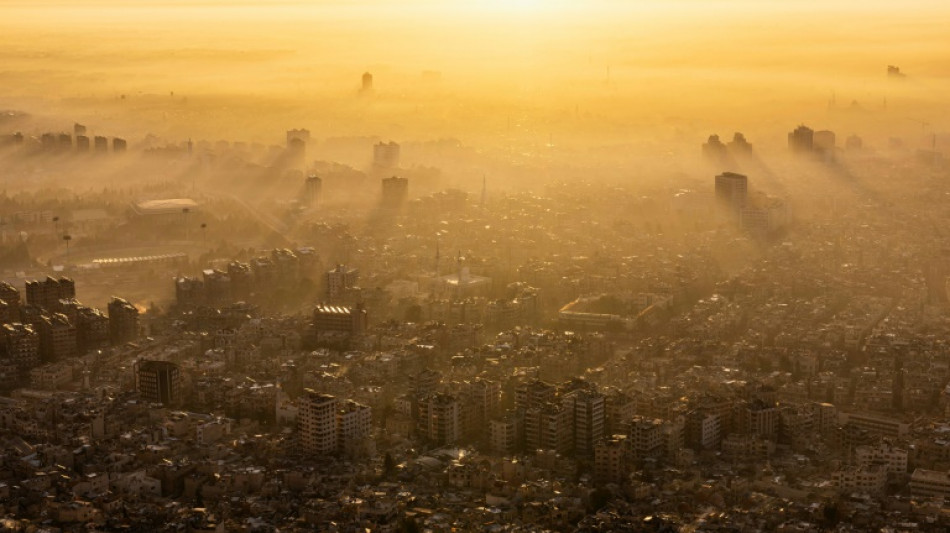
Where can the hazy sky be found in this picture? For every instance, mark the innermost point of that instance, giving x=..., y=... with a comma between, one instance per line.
x=697, y=64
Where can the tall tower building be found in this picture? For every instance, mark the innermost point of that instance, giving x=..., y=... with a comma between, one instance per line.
x=49, y=292
x=395, y=192
x=824, y=143
x=801, y=140
x=158, y=382
x=385, y=156
x=590, y=419
x=297, y=147
x=21, y=347
x=317, y=423
x=10, y=295
x=314, y=189
x=339, y=280
x=58, y=338
x=732, y=190
x=354, y=422
x=123, y=321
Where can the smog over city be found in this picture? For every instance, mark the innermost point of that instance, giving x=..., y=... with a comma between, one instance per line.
x=436, y=265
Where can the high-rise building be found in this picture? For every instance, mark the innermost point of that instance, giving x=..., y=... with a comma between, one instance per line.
x=339, y=280
x=57, y=338
x=313, y=188
x=354, y=423
x=6, y=313
x=714, y=148
x=823, y=142
x=505, y=433
x=481, y=399
x=610, y=465
x=395, y=192
x=589, y=419
x=242, y=279
x=217, y=286
x=385, y=156
x=21, y=347
x=297, y=147
x=287, y=264
x=732, y=190
x=534, y=394
x=440, y=418
x=645, y=437
x=158, y=382
x=92, y=328
x=10, y=295
x=366, y=82
x=123, y=321
x=327, y=426
x=801, y=140
x=549, y=427
x=317, y=423
x=49, y=292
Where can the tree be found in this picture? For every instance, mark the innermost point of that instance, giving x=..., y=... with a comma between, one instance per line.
x=389, y=465
x=599, y=498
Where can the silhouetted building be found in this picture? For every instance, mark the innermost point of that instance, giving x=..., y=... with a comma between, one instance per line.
x=440, y=419
x=21, y=349
x=853, y=142
x=48, y=142
x=123, y=321
x=316, y=423
x=739, y=143
x=313, y=188
x=82, y=143
x=366, y=82
x=57, y=338
x=158, y=382
x=713, y=148
x=589, y=420
x=100, y=144
x=894, y=72
x=92, y=328
x=766, y=219
x=65, y=142
x=823, y=142
x=395, y=192
x=335, y=318
x=49, y=292
x=385, y=156
x=297, y=140
x=242, y=279
x=610, y=464
x=118, y=145
x=10, y=295
x=732, y=190
x=801, y=140
x=217, y=286
x=79, y=129
x=189, y=291
x=339, y=280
